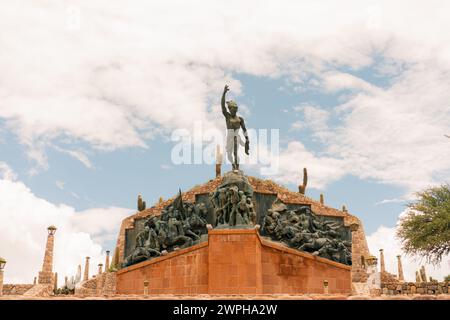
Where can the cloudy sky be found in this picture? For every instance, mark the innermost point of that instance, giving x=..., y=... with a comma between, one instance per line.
x=91, y=93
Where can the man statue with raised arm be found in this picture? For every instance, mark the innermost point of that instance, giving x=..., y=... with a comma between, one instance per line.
x=234, y=123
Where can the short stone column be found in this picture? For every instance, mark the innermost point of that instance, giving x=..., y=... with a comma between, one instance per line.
x=2, y=266
x=400, y=269
x=107, y=261
x=86, y=270
x=382, y=266
x=100, y=265
x=146, y=282
x=325, y=287
x=46, y=276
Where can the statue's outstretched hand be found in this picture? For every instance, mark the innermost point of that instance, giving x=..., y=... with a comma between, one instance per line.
x=226, y=89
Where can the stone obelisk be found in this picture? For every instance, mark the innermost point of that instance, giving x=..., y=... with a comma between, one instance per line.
x=382, y=267
x=400, y=269
x=86, y=270
x=107, y=261
x=46, y=275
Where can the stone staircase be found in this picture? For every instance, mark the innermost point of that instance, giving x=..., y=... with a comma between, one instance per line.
x=40, y=290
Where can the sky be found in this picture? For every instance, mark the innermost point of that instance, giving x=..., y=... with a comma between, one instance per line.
x=91, y=95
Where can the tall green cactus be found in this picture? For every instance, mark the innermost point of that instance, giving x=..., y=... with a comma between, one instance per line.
x=302, y=187
x=140, y=203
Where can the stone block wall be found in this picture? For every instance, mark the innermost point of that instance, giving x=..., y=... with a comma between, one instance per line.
x=101, y=285
x=16, y=289
x=410, y=288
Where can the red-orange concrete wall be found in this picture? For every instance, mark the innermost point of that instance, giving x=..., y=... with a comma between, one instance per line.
x=181, y=272
x=235, y=262
x=287, y=271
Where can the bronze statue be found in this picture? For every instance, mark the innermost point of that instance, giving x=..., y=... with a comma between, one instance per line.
x=234, y=123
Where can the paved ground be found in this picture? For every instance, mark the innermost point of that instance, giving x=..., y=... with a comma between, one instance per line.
x=235, y=297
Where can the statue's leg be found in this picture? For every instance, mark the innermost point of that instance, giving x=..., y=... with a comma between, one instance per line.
x=236, y=159
x=229, y=146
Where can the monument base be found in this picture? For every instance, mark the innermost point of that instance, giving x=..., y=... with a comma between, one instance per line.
x=236, y=261
x=46, y=277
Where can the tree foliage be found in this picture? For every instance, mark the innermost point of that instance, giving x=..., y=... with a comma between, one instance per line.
x=425, y=230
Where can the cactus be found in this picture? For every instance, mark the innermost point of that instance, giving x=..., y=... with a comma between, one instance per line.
x=140, y=203
x=55, y=285
x=418, y=279
x=423, y=274
x=302, y=188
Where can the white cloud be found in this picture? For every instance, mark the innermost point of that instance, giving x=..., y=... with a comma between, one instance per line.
x=165, y=166
x=100, y=223
x=60, y=184
x=396, y=136
x=132, y=72
x=24, y=218
x=335, y=81
x=384, y=238
x=6, y=172
x=313, y=118
x=77, y=154
x=295, y=157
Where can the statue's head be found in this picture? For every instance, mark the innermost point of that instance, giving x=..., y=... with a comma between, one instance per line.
x=232, y=107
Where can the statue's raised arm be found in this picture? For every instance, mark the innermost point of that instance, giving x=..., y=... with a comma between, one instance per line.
x=224, y=109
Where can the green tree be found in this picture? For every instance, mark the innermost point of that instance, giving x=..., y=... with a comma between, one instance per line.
x=447, y=278
x=425, y=230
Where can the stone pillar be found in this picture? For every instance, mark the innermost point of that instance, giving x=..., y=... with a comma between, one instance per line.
x=107, y=261
x=65, y=282
x=34, y=280
x=2, y=265
x=382, y=267
x=218, y=162
x=1, y=282
x=400, y=269
x=100, y=265
x=423, y=274
x=322, y=199
x=86, y=270
x=46, y=275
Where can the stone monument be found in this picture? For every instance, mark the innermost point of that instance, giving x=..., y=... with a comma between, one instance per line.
x=46, y=275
